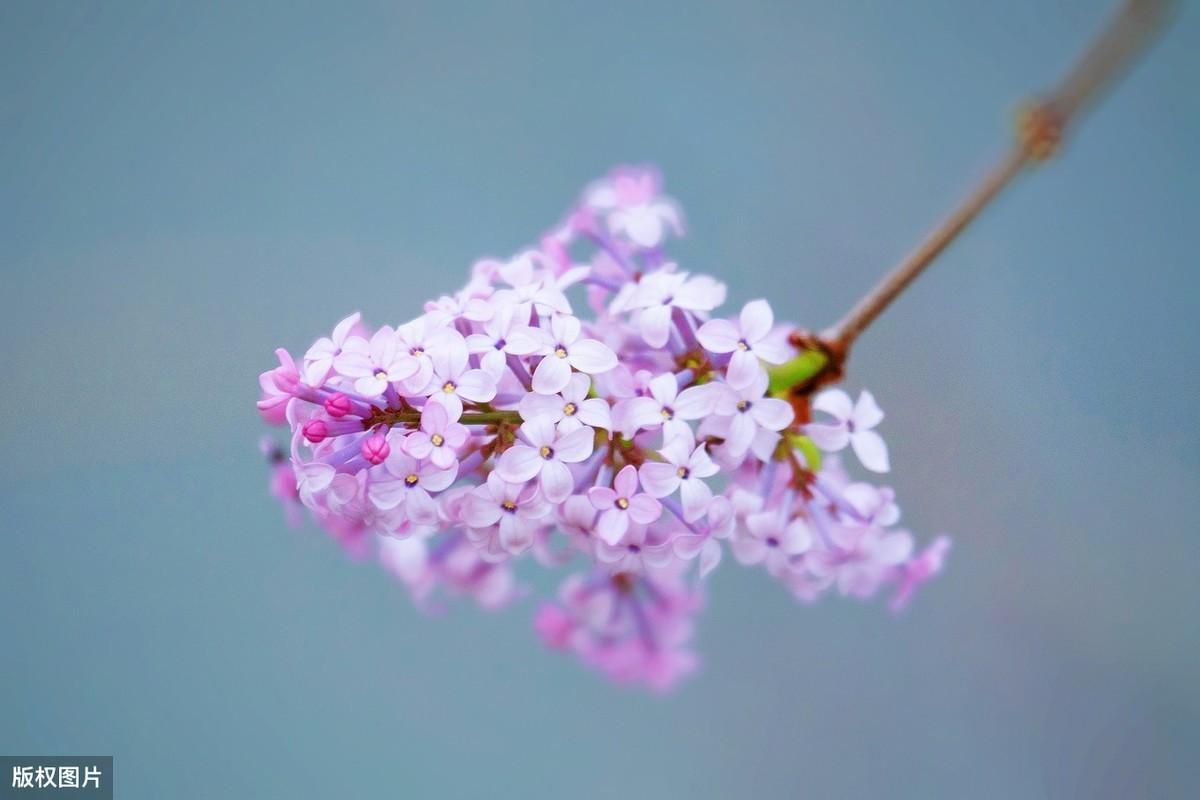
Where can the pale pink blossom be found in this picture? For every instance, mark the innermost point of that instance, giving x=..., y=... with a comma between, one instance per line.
x=750, y=340
x=545, y=455
x=622, y=505
x=683, y=468
x=852, y=424
x=570, y=409
x=563, y=348
x=438, y=439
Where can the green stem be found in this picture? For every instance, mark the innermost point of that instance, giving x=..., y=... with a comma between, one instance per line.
x=796, y=372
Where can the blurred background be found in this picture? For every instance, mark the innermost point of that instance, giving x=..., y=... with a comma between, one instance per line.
x=185, y=186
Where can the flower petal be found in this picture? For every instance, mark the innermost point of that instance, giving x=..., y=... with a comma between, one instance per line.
x=557, y=483
x=718, y=336
x=659, y=479
x=552, y=375
x=519, y=463
x=756, y=320
x=644, y=509
x=592, y=357
x=575, y=446
x=871, y=450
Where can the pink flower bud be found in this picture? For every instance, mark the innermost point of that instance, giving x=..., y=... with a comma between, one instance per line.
x=315, y=430
x=376, y=449
x=338, y=405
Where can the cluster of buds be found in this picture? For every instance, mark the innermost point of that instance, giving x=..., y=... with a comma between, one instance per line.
x=638, y=447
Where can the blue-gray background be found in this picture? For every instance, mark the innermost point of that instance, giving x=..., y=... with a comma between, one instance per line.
x=184, y=187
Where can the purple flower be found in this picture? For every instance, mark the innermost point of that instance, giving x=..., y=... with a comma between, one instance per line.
x=622, y=505
x=503, y=335
x=562, y=348
x=744, y=414
x=570, y=409
x=657, y=294
x=511, y=507
x=410, y=484
x=666, y=406
x=438, y=439
x=499, y=424
x=683, y=468
x=377, y=364
x=771, y=538
x=852, y=424
x=545, y=456
x=320, y=359
x=748, y=341
x=453, y=381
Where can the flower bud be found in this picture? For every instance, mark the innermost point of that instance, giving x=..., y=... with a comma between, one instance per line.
x=338, y=405
x=376, y=449
x=315, y=430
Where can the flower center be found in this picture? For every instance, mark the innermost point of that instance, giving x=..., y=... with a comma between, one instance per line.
x=509, y=506
x=381, y=374
x=683, y=472
x=569, y=409
x=560, y=351
x=635, y=548
x=411, y=479
x=622, y=503
x=448, y=387
x=437, y=440
x=546, y=452
x=743, y=405
x=743, y=345
x=772, y=541
x=416, y=350
x=500, y=343
x=668, y=412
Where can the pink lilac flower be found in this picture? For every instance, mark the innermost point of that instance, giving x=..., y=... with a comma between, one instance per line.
x=320, y=358
x=377, y=364
x=772, y=538
x=545, y=456
x=684, y=468
x=411, y=485
x=511, y=508
x=278, y=387
x=562, y=348
x=748, y=341
x=666, y=406
x=454, y=381
x=570, y=409
x=852, y=424
x=622, y=505
x=631, y=449
x=743, y=414
x=656, y=295
x=438, y=439
x=503, y=335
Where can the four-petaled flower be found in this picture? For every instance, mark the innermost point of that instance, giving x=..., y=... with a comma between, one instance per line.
x=770, y=537
x=621, y=505
x=571, y=409
x=327, y=351
x=852, y=424
x=657, y=294
x=376, y=364
x=562, y=349
x=513, y=505
x=438, y=439
x=748, y=341
x=684, y=467
x=453, y=379
x=745, y=414
x=410, y=485
x=546, y=456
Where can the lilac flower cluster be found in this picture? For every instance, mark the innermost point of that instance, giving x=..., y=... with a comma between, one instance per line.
x=640, y=446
